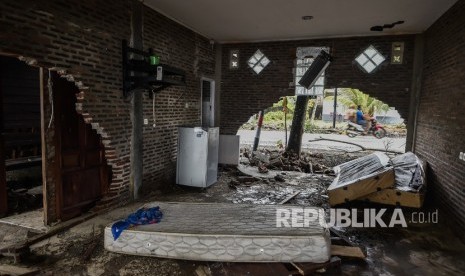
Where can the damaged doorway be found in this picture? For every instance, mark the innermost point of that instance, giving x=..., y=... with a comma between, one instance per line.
x=83, y=175
x=75, y=169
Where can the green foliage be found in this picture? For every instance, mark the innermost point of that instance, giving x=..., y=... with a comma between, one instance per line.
x=274, y=116
x=370, y=105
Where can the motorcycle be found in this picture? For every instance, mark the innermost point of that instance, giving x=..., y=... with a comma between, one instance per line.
x=376, y=129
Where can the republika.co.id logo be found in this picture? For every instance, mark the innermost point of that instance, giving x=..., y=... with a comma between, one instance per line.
x=364, y=218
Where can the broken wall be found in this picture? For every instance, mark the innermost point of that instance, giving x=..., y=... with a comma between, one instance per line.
x=440, y=135
x=82, y=40
x=244, y=93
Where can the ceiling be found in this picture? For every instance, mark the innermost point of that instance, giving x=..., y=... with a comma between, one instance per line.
x=267, y=20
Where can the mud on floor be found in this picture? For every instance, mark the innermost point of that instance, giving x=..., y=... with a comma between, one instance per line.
x=416, y=250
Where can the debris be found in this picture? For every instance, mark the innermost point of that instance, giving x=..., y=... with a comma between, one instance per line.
x=251, y=171
x=289, y=197
x=279, y=178
x=360, y=177
x=310, y=268
x=375, y=178
x=262, y=169
x=90, y=249
x=261, y=157
x=347, y=251
x=277, y=162
x=341, y=238
x=286, y=161
x=243, y=179
x=16, y=270
x=20, y=249
x=203, y=271
x=233, y=184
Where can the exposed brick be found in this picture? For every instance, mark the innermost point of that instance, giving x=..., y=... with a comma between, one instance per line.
x=440, y=131
x=82, y=41
x=244, y=93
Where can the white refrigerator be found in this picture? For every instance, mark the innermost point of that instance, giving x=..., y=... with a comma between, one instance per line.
x=197, y=163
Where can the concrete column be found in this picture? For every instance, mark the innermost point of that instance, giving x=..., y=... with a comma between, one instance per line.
x=218, y=63
x=137, y=119
x=415, y=93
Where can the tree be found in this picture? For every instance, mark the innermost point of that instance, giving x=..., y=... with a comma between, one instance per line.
x=297, y=128
x=370, y=105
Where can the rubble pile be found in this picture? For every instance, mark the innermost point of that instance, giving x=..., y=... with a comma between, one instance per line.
x=266, y=159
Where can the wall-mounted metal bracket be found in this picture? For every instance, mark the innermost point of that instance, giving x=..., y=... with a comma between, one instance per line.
x=139, y=74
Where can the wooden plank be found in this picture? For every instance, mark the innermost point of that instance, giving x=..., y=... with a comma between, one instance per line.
x=19, y=163
x=43, y=147
x=397, y=198
x=289, y=197
x=17, y=270
x=361, y=187
x=347, y=251
x=344, y=240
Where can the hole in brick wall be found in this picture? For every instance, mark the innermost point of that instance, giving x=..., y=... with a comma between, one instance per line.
x=319, y=119
x=23, y=153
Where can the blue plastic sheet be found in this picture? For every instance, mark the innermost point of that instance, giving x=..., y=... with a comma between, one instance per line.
x=140, y=217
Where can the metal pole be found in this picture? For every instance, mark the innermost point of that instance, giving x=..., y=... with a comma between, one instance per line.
x=285, y=128
x=259, y=127
x=335, y=108
x=285, y=110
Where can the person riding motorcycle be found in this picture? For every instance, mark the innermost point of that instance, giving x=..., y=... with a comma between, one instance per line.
x=351, y=114
x=363, y=119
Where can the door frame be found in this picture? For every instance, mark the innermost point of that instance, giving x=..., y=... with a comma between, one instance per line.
x=43, y=144
x=212, y=100
x=3, y=187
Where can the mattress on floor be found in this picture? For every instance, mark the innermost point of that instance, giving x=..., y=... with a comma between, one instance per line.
x=224, y=232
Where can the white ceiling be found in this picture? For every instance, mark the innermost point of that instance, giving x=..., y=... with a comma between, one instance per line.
x=265, y=20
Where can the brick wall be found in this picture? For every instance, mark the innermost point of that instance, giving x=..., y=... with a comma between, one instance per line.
x=181, y=48
x=244, y=93
x=82, y=41
x=441, y=120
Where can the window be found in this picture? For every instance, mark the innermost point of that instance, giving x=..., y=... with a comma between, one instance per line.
x=258, y=62
x=370, y=59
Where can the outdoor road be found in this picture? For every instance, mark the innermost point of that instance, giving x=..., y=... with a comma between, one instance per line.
x=271, y=137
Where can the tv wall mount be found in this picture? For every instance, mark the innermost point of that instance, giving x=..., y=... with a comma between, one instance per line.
x=142, y=71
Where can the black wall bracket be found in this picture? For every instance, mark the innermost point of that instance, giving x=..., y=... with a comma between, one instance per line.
x=139, y=74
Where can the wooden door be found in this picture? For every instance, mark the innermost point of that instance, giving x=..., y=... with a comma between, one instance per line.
x=83, y=174
x=3, y=190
